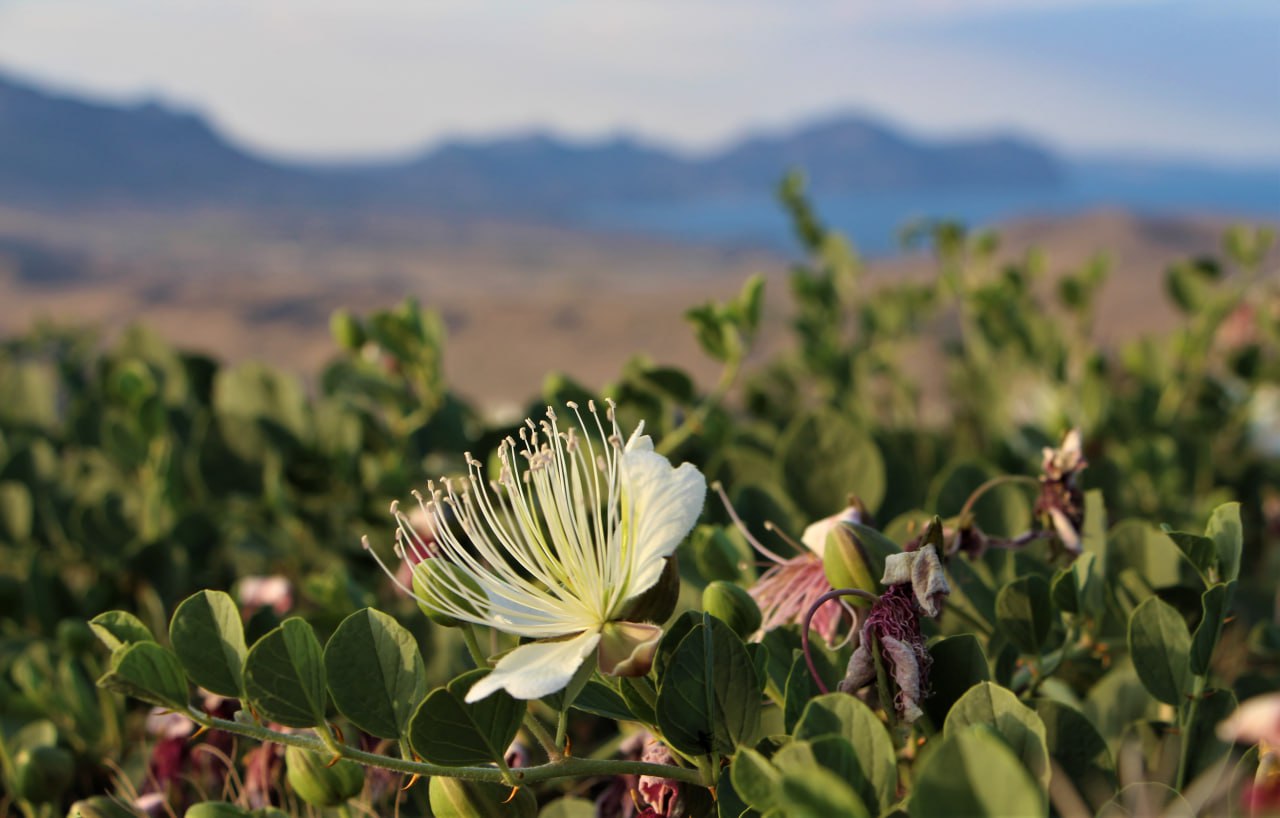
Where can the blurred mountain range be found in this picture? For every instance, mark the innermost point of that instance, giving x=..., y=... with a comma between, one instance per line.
x=60, y=149
x=869, y=178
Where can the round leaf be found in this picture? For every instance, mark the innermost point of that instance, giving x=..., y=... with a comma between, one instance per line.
x=284, y=675
x=447, y=730
x=1025, y=612
x=845, y=716
x=825, y=458
x=208, y=637
x=1161, y=646
x=375, y=671
x=996, y=707
x=971, y=772
x=146, y=671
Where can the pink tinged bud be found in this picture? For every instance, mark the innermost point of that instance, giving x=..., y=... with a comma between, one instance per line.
x=1066, y=530
x=1065, y=460
x=265, y=592
x=167, y=724
x=815, y=536
x=153, y=803
x=923, y=571
x=1255, y=721
x=627, y=648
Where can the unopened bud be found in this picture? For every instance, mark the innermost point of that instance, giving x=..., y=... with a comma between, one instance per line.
x=844, y=561
x=732, y=605
x=455, y=798
x=319, y=784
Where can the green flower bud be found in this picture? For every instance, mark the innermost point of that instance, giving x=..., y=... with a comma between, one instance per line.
x=101, y=806
x=845, y=563
x=657, y=603
x=317, y=783
x=346, y=330
x=216, y=809
x=436, y=578
x=715, y=555
x=42, y=774
x=455, y=798
x=732, y=605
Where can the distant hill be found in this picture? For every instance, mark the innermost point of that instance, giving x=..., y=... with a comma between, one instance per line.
x=60, y=149
x=56, y=148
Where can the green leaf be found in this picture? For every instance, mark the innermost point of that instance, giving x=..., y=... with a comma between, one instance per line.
x=1213, y=603
x=447, y=730
x=208, y=637
x=115, y=629
x=996, y=707
x=966, y=665
x=1161, y=646
x=1117, y=700
x=801, y=688
x=729, y=802
x=146, y=671
x=842, y=715
x=1025, y=612
x=1228, y=537
x=284, y=675
x=1144, y=549
x=825, y=458
x=1079, y=749
x=709, y=701
x=16, y=511
x=755, y=779
x=376, y=674
x=818, y=793
x=599, y=699
x=1199, y=550
x=971, y=772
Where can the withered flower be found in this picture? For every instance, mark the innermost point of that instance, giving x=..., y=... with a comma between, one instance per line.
x=917, y=585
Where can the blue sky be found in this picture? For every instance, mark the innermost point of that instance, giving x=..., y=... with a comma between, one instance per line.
x=347, y=78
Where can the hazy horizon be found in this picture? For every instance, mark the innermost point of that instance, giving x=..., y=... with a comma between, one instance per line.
x=338, y=81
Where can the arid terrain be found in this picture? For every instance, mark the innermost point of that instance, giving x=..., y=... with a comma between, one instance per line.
x=518, y=301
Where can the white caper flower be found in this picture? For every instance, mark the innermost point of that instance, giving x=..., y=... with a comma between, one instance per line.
x=555, y=549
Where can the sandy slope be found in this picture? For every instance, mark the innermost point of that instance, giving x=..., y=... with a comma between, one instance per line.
x=518, y=300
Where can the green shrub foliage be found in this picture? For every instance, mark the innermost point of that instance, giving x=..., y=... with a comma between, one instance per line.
x=1085, y=618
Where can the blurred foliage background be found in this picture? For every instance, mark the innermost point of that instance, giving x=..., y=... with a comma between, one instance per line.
x=134, y=473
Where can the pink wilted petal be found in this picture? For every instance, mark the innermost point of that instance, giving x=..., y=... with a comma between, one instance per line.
x=659, y=793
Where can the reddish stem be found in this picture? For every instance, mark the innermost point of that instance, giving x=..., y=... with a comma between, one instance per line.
x=808, y=617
